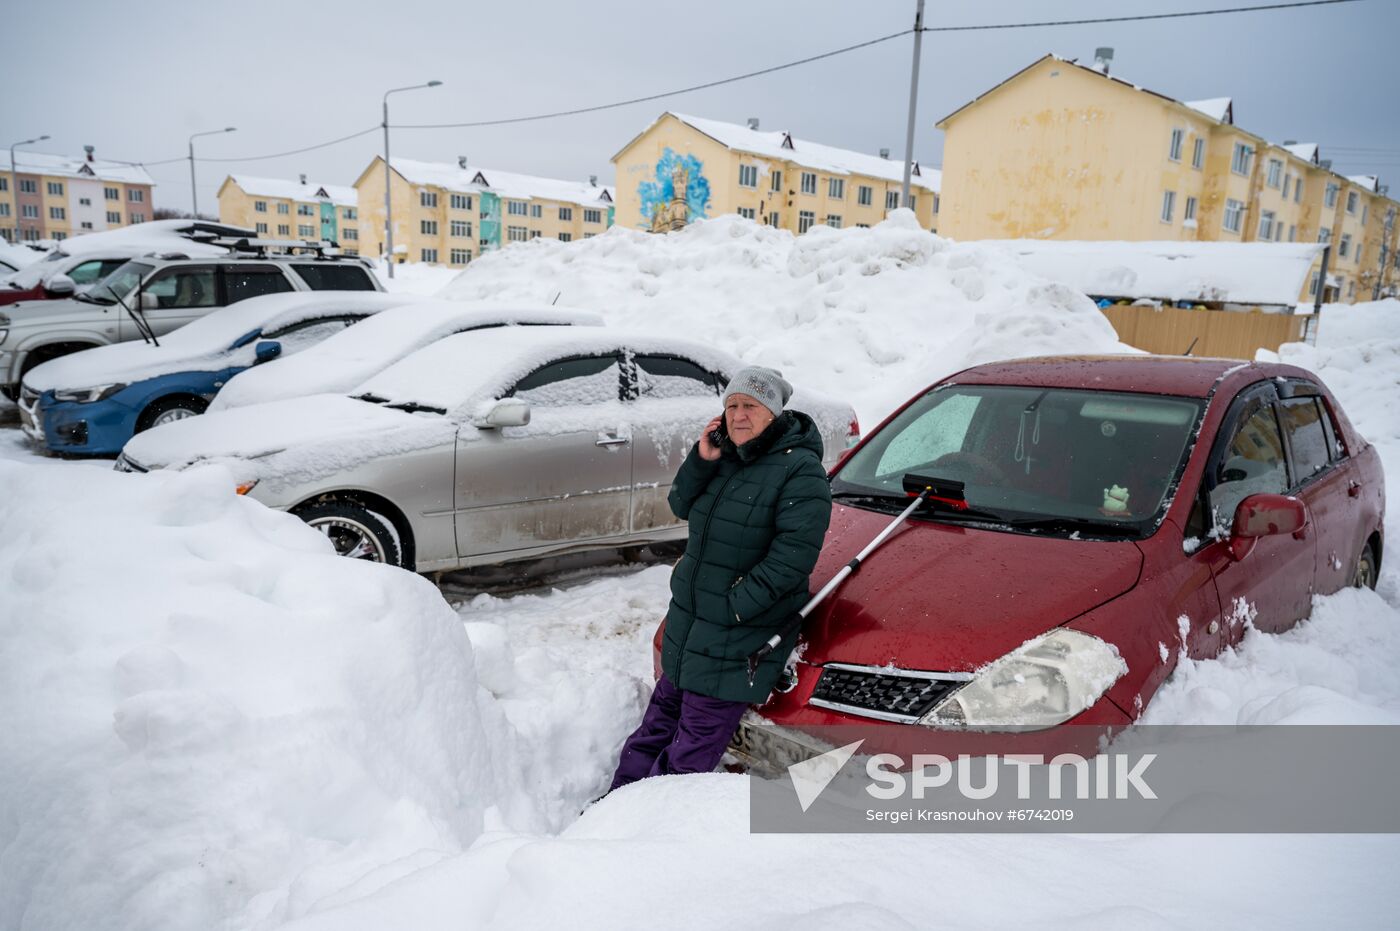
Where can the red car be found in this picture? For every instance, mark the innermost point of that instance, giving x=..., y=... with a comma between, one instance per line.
x=59, y=275
x=1118, y=510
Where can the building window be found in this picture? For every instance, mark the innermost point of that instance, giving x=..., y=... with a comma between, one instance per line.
x=306, y=210
x=1330, y=199
x=1351, y=290
x=349, y=233
x=517, y=208
x=114, y=218
x=427, y=227
x=4, y=209
x=566, y=237
x=87, y=202
x=135, y=196
x=1174, y=149
x=809, y=183
x=1324, y=234
x=29, y=211
x=777, y=180
x=1198, y=153
x=461, y=228
x=534, y=234
x=1190, y=214
x=748, y=176
x=350, y=213
x=428, y=199
x=55, y=188
x=460, y=202
x=865, y=195
x=891, y=200
x=1242, y=160
x=773, y=220
x=28, y=186
x=260, y=206
x=86, y=225
x=833, y=220
x=260, y=229
x=566, y=214
x=913, y=201
x=57, y=213
x=1275, y=176
x=592, y=216
x=60, y=236
x=306, y=232
x=1344, y=246
x=1287, y=182
x=746, y=212
x=1312, y=285
x=428, y=255
x=1351, y=202
x=1365, y=212
x=1168, y=205
x=460, y=256
x=283, y=229
x=284, y=208
x=516, y=234
x=1266, y=224
x=1360, y=248
x=112, y=193
x=836, y=188
x=805, y=219
x=1298, y=191
x=537, y=211
x=1292, y=232
x=1234, y=215
x=4, y=184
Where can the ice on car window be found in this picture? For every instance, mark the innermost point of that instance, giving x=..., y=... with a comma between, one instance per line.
x=572, y=382
x=671, y=377
x=940, y=431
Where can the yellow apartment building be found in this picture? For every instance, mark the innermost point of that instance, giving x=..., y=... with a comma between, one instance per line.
x=280, y=209
x=770, y=177
x=46, y=196
x=1066, y=151
x=448, y=214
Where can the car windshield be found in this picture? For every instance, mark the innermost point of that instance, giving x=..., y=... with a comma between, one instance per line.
x=121, y=282
x=1049, y=459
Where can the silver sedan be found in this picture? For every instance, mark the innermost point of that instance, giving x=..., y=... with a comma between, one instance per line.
x=483, y=447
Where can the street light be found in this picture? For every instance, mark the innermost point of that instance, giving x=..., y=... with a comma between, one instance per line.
x=388, y=207
x=14, y=180
x=194, y=194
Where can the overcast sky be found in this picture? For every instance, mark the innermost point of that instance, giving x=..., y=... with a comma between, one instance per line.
x=136, y=78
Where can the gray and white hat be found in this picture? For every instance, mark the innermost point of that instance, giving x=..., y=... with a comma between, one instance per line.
x=766, y=386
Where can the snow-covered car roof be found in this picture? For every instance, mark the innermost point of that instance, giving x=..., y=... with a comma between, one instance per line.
x=202, y=340
x=60, y=262
x=349, y=358
x=18, y=256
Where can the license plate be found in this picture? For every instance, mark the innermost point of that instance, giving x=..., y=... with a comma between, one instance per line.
x=769, y=750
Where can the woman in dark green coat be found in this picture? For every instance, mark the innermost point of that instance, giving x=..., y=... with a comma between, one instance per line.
x=757, y=499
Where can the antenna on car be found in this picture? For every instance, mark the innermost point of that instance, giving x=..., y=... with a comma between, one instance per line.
x=557, y=295
x=1190, y=347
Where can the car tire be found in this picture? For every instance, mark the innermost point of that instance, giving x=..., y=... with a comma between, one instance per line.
x=356, y=532
x=169, y=410
x=1366, y=569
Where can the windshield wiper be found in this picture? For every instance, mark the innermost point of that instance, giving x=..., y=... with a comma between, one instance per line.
x=413, y=407
x=1074, y=524
x=147, y=334
x=371, y=398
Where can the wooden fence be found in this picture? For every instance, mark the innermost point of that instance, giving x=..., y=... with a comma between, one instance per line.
x=1228, y=334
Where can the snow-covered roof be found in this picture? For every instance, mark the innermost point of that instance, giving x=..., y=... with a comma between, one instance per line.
x=1369, y=182
x=474, y=179
x=1245, y=273
x=1217, y=108
x=341, y=195
x=153, y=236
x=786, y=147
x=70, y=166
x=1307, y=151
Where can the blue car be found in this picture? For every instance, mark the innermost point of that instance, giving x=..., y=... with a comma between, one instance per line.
x=92, y=402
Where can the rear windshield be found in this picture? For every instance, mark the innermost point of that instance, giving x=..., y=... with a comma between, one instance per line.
x=335, y=276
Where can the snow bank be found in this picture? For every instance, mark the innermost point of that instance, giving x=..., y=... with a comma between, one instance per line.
x=413, y=277
x=211, y=719
x=868, y=315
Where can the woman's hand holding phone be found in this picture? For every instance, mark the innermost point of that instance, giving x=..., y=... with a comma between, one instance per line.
x=709, y=448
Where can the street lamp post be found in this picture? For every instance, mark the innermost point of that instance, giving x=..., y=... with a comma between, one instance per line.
x=194, y=193
x=14, y=180
x=388, y=205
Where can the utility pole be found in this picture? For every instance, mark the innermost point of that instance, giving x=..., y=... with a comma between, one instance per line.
x=14, y=180
x=913, y=102
x=388, y=203
x=194, y=191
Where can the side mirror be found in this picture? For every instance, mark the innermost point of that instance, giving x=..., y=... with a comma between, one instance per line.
x=1265, y=516
x=507, y=412
x=149, y=301
x=60, y=286
x=266, y=351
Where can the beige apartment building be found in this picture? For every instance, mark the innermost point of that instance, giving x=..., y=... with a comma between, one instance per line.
x=1067, y=151
x=448, y=214
x=46, y=196
x=301, y=209
x=770, y=177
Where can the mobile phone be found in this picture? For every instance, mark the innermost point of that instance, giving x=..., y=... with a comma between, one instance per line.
x=718, y=434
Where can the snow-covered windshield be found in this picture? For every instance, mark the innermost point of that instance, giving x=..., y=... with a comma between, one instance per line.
x=120, y=283
x=1029, y=453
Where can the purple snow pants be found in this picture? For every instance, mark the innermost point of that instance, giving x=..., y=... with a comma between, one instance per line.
x=681, y=732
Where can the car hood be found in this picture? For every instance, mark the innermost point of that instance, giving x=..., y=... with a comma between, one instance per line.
x=945, y=597
x=58, y=311
x=293, y=440
x=130, y=362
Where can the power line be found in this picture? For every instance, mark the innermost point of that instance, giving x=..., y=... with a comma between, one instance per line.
x=310, y=148
x=1138, y=18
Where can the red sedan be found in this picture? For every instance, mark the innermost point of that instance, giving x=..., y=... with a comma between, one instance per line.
x=1118, y=510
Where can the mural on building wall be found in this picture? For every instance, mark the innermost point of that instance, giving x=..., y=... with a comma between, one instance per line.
x=680, y=193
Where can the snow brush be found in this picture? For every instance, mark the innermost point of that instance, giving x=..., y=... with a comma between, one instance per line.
x=923, y=488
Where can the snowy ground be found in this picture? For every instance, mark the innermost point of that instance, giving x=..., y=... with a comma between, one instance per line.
x=224, y=725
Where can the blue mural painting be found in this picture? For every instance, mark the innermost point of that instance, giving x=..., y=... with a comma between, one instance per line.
x=663, y=207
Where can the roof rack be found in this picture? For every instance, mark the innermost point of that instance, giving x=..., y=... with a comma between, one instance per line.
x=323, y=248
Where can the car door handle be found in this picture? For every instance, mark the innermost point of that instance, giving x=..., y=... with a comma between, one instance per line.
x=609, y=440
x=1354, y=490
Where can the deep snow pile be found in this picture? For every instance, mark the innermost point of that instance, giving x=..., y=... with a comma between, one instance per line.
x=210, y=719
x=830, y=309
x=413, y=277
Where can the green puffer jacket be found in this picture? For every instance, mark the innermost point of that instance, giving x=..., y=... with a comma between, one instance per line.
x=758, y=516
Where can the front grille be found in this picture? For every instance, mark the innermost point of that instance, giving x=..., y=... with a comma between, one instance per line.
x=888, y=694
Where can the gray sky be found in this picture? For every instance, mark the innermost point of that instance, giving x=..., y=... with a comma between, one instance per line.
x=136, y=78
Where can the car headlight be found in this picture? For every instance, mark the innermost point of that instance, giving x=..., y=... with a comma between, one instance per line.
x=1042, y=683
x=84, y=395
